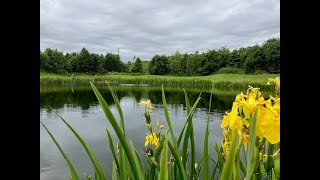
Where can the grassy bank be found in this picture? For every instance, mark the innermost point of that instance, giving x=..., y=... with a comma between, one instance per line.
x=219, y=80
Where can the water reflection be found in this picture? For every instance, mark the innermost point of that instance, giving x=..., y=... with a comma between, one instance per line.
x=83, y=96
x=79, y=106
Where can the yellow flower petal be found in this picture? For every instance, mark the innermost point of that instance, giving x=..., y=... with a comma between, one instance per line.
x=225, y=121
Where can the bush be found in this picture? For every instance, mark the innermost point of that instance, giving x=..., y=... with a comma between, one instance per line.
x=259, y=71
x=230, y=70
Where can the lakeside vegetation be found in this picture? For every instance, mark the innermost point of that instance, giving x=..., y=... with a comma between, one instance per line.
x=252, y=127
x=218, y=80
x=257, y=59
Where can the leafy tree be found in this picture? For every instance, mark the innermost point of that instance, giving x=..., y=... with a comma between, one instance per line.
x=255, y=60
x=212, y=62
x=271, y=50
x=159, y=65
x=112, y=63
x=234, y=59
x=175, y=63
x=83, y=61
x=137, y=66
x=193, y=62
x=52, y=60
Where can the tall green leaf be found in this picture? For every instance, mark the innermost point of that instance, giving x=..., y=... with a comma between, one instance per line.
x=165, y=109
x=189, y=117
x=206, y=167
x=118, y=131
x=163, y=161
x=123, y=164
x=116, y=100
x=89, y=152
x=177, y=158
x=227, y=170
x=174, y=149
x=112, y=150
x=74, y=175
x=114, y=171
x=136, y=161
x=190, y=134
x=251, y=146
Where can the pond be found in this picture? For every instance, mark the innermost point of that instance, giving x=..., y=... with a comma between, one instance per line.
x=79, y=107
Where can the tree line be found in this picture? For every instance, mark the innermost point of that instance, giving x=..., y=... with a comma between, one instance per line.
x=252, y=59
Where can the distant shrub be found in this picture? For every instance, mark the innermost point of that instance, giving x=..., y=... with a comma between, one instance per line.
x=260, y=72
x=230, y=70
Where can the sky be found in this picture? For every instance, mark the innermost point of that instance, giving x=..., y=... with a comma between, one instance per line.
x=144, y=28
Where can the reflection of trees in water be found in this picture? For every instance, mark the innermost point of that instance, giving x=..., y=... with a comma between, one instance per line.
x=219, y=102
x=86, y=97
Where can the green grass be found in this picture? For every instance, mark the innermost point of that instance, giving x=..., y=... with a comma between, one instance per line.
x=218, y=80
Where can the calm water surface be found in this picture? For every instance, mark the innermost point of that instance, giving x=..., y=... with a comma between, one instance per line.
x=79, y=106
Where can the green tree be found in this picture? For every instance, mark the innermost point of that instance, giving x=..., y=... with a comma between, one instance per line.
x=234, y=59
x=42, y=60
x=52, y=60
x=137, y=66
x=159, y=65
x=71, y=61
x=271, y=50
x=83, y=61
x=112, y=63
x=212, y=62
x=255, y=60
x=175, y=63
x=193, y=62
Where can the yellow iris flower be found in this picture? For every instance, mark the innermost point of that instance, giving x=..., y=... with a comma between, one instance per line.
x=232, y=119
x=146, y=104
x=269, y=122
x=152, y=139
x=250, y=101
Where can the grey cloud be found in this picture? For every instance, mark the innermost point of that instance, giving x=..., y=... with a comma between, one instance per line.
x=145, y=28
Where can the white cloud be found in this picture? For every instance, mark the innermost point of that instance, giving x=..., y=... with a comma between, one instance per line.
x=145, y=28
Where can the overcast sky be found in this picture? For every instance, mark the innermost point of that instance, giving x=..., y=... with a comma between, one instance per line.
x=149, y=27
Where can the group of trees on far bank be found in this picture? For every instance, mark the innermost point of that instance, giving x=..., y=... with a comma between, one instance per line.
x=251, y=59
x=83, y=62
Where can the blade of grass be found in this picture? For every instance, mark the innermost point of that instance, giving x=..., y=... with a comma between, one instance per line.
x=177, y=158
x=174, y=149
x=114, y=171
x=192, y=168
x=227, y=170
x=116, y=100
x=251, y=146
x=220, y=161
x=206, y=167
x=123, y=164
x=89, y=152
x=269, y=163
x=165, y=109
x=189, y=134
x=190, y=114
x=112, y=150
x=74, y=175
x=263, y=172
x=117, y=129
x=242, y=167
x=137, y=163
x=163, y=161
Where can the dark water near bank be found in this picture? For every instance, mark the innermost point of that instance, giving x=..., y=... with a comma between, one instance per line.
x=79, y=106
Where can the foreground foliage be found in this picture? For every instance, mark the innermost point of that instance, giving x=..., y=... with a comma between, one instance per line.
x=252, y=127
